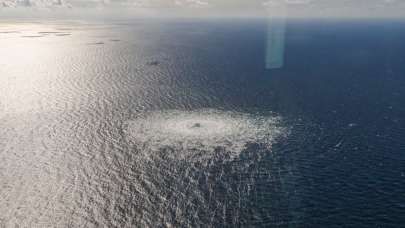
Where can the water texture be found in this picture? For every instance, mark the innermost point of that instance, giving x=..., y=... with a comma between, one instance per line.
x=152, y=123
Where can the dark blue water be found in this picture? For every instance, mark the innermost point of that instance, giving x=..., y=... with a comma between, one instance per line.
x=181, y=124
x=343, y=87
x=348, y=80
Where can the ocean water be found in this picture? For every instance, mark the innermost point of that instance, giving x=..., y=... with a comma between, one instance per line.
x=202, y=123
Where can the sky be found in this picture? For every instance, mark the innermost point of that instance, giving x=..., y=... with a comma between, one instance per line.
x=305, y=8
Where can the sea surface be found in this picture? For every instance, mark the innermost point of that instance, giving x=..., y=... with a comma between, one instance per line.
x=202, y=123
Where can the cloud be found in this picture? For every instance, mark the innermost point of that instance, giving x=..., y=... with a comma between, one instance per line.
x=32, y=3
x=144, y=3
x=190, y=3
x=340, y=8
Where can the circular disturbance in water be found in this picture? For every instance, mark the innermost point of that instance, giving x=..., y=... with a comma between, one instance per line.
x=203, y=130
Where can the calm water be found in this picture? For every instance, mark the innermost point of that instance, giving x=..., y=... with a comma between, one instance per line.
x=180, y=124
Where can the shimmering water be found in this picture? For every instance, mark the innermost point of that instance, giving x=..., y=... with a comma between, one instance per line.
x=151, y=123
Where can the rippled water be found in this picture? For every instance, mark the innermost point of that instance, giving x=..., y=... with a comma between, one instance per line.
x=179, y=124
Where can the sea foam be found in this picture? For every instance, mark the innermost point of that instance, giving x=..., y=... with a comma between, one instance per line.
x=188, y=132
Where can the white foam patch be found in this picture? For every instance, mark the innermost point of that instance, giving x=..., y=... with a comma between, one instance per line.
x=187, y=133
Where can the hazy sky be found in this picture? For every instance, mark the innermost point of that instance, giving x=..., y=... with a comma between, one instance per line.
x=340, y=8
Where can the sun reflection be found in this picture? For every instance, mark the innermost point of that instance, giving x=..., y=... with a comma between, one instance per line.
x=26, y=61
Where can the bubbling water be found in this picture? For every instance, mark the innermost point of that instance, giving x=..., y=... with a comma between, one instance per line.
x=186, y=162
x=186, y=132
